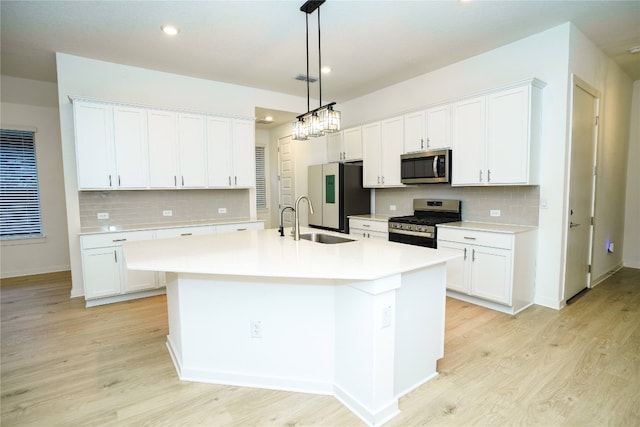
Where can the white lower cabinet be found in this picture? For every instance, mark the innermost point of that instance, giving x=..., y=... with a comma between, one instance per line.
x=369, y=228
x=496, y=269
x=104, y=268
x=105, y=273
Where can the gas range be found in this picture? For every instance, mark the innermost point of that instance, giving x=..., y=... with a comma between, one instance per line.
x=420, y=228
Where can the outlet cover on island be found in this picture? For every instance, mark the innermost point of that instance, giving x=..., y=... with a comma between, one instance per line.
x=167, y=213
x=103, y=215
x=494, y=212
x=222, y=210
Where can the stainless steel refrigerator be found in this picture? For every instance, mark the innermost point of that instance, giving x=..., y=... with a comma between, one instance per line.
x=335, y=190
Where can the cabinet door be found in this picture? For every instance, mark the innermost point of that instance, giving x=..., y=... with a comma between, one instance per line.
x=130, y=139
x=163, y=149
x=353, y=144
x=192, y=155
x=219, y=143
x=414, y=132
x=334, y=147
x=468, y=141
x=137, y=280
x=371, y=137
x=93, y=124
x=491, y=274
x=244, y=153
x=457, y=269
x=507, y=136
x=438, y=127
x=391, y=148
x=101, y=268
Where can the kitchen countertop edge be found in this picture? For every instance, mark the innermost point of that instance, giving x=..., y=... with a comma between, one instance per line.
x=146, y=227
x=488, y=226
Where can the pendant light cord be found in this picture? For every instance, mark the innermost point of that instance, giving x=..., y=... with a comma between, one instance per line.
x=307, y=24
x=319, y=62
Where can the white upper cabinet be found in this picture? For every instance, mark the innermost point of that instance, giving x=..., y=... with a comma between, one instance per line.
x=192, y=156
x=382, y=147
x=231, y=152
x=163, y=149
x=496, y=137
x=427, y=129
x=468, y=142
x=345, y=146
x=93, y=123
x=131, y=149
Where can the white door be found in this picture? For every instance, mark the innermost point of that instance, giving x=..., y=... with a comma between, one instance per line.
x=287, y=177
x=581, y=187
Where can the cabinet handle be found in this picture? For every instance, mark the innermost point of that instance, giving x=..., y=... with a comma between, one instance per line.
x=480, y=175
x=465, y=254
x=366, y=225
x=383, y=179
x=473, y=255
x=110, y=181
x=421, y=143
x=469, y=238
x=115, y=256
x=235, y=180
x=241, y=229
x=119, y=240
x=186, y=234
x=175, y=181
x=183, y=180
x=229, y=180
x=488, y=175
x=378, y=180
x=428, y=141
x=368, y=235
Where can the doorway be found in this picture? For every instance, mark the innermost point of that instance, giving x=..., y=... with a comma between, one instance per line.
x=286, y=178
x=582, y=182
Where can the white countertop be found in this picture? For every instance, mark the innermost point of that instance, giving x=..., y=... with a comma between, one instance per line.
x=487, y=226
x=372, y=217
x=263, y=253
x=142, y=227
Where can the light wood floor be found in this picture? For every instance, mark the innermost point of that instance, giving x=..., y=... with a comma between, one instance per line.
x=65, y=365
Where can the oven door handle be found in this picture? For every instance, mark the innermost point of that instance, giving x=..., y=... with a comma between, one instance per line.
x=412, y=233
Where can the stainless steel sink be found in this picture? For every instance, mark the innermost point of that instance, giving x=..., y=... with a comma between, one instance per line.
x=325, y=238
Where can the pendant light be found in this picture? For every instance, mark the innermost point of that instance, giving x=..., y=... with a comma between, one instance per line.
x=323, y=119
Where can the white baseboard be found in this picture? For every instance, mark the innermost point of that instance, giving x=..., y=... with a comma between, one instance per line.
x=7, y=274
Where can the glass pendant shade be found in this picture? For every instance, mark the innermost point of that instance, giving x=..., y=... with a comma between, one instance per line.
x=299, y=130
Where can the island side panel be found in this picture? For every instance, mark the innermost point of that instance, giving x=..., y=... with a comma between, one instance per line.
x=419, y=339
x=174, y=339
x=294, y=350
x=364, y=340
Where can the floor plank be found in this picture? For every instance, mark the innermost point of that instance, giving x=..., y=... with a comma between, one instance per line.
x=64, y=364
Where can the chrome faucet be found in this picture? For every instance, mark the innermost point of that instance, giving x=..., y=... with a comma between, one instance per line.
x=296, y=216
x=281, y=228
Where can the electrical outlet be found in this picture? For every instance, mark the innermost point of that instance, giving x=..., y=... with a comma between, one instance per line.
x=494, y=212
x=103, y=215
x=386, y=316
x=392, y=207
x=167, y=213
x=256, y=328
x=222, y=210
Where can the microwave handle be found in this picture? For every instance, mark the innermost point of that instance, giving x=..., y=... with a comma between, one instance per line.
x=435, y=167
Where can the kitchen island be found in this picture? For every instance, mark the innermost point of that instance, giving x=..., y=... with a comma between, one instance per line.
x=362, y=320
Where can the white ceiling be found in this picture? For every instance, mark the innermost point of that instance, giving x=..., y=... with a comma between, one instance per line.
x=368, y=44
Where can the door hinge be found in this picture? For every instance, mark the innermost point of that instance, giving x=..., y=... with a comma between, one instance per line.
x=597, y=117
x=589, y=268
x=595, y=170
x=591, y=220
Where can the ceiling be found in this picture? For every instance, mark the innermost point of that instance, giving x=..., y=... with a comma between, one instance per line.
x=368, y=44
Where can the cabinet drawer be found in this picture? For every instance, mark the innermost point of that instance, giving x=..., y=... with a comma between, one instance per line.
x=472, y=237
x=167, y=233
x=113, y=239
x=368, y=225
x=241, y=226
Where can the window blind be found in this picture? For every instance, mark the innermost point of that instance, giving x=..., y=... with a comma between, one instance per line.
x=261, y=179
x=19, y=194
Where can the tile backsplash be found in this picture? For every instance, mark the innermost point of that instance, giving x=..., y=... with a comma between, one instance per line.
x=517, y=204
x=130, y=208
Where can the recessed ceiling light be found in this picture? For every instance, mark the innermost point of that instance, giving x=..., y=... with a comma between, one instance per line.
x=269, y=118
x=326, y=70
x=170, y=30
x=635, y=49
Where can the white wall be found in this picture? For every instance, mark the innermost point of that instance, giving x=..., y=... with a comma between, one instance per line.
x=615, y=87
x=32, y=103
x=103, y=80
x=544, y=56
x=631, y=252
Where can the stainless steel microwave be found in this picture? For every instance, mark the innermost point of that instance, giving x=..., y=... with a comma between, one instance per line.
x=426, y=167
